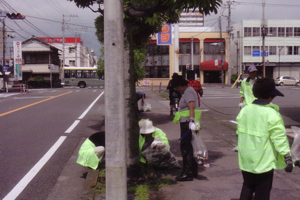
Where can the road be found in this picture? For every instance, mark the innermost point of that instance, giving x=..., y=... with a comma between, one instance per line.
x=39, y=132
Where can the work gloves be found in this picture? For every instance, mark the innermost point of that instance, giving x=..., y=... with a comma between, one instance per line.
x=193, y=126
x=241, y=105
x=289, y=164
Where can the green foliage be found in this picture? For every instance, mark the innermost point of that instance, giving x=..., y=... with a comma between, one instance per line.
x=100, y=64
x=139, y=58
x=39, y=79
x=141, y=192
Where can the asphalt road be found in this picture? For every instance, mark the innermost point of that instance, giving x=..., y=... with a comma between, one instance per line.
x=39, y=132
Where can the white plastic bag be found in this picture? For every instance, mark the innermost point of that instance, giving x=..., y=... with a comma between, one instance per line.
x=199, y=149
x=295, y=149
x=147, y=107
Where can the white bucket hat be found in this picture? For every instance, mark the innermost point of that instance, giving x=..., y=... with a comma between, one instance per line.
x=147, y=127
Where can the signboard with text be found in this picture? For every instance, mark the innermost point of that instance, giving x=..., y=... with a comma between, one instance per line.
x=17, y=60
x=165, y=36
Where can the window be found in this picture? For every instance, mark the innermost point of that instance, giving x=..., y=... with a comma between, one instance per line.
x=247, y=50
x=185, y=47
x=289, y=50
x=281, y=31
x=289, y=31
x=273, y=32
x=256, y=48
x=196, y=46
x=247, y=31
x=71, y=49
x=256, y=31
x=37, y=58
x=296, y=50
x=157, y=71
x=71, y=62
x=281, y=50
x=297, y=31
x=272, y=50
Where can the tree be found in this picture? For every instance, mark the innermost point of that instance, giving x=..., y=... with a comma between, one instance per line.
x=100, y=64
x=142, y=18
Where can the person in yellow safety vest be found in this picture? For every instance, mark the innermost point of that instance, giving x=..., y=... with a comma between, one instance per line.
x=262, y=142
x=246, y=87
x=92, y=150
x=188, y=116
x=151, y=136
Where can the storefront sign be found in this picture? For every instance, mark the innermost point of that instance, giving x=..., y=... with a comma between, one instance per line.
x=17, y=60
x=165, y=36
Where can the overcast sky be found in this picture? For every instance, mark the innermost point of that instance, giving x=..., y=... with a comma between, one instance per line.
x=42, y=14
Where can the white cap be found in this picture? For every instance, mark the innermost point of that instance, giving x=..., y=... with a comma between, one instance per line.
x=147, y=127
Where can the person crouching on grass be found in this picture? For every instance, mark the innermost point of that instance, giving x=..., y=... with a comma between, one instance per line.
x=262, y=142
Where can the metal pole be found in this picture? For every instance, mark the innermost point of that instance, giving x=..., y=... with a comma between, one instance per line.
x=76, y=49
x=3, y=59
x=115, y=133
x=221, y=52
x=176, y=48
x=63, y=50
x=263, y=39
x=229, y=42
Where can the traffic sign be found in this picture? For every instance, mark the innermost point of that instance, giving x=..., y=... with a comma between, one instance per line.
x=5, y=68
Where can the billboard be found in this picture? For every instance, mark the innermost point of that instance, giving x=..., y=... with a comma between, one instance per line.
x=17, y=60
x=165, y=36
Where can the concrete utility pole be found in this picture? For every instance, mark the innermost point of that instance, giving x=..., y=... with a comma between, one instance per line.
x=115, y=134
x=63, y=50
x=229, y=29
x=176, y=48
x=3, y=59
x=221, y=52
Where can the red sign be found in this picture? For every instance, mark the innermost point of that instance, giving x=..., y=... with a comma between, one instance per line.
x=60, y=39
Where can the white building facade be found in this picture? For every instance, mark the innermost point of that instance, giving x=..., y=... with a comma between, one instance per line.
x=75, y=54
x=282, y=47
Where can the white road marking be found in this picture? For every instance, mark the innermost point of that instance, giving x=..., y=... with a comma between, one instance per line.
x=204, y=110
x=70, y=129
x=233, y=121
x=14, y=193
x=88, y=109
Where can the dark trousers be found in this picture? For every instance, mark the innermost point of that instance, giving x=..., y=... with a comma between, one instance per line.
x=260, y=184
x=189, y=163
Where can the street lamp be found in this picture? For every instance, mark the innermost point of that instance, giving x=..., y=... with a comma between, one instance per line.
x=279, y=61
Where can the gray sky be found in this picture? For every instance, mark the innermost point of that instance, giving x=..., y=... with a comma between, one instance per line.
x=43, y=13
x=44, y=19
x=252, y=9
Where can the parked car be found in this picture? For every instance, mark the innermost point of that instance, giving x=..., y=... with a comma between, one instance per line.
x=286, y=80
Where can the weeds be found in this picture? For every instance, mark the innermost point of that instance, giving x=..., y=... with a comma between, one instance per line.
x=145, y=179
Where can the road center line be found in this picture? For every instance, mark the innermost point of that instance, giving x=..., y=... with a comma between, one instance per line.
x=14, y=193
x=21, y=108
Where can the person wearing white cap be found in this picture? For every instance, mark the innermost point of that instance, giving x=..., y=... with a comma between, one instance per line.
x=151, y=136
x=247, y=96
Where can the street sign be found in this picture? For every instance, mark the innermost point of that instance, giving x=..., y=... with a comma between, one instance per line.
x=5, y=68
x=255, y=53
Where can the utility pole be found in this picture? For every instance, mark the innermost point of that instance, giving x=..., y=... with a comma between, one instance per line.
x=229, y=29
x=76, y=49
x=221, y=51
x=63, y=50
x=115, y=131
x=263, y=26
x=3, y=59
x=176, y=48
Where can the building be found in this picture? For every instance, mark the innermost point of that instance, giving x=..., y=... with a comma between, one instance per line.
x=36, y=57
x=199, y=47
x=282, y=47
x=75, y=54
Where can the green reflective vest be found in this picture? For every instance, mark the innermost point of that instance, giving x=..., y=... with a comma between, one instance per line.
x=186, y=113
x=262, y=139
x=87, y=156
x=157, y=133
x=246, y=92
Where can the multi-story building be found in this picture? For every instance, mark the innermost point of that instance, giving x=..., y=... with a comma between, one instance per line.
x=282, y=47
x=199, y=47
x=75, y=54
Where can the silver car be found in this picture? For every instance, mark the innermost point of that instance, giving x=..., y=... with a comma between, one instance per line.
x=286, y=80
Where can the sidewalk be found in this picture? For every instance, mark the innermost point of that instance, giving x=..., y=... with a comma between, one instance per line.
x=221, y=181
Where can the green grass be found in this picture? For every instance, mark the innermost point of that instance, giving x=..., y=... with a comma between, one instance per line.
x=146, y=180
x=163, y=94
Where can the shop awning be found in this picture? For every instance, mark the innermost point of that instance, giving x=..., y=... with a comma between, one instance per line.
x=210, y=65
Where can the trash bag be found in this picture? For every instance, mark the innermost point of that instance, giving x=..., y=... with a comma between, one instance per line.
x=159, y=155
x=147, y=107
x=200, y=152
x=295, y=149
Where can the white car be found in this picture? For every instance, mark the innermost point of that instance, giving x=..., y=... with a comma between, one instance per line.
x=286, y=80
